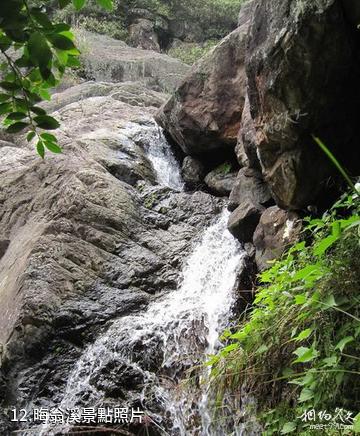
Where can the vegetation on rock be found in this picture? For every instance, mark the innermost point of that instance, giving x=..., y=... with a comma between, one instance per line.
x=298, y=350
x=187, y=20
x=192, y=52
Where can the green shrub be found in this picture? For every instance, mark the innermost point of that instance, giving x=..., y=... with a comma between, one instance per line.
x=299, y=348
x=94, y=19
x=192, y=52
x=208, y=19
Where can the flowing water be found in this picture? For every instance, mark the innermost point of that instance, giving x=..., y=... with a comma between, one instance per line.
x=156, y=350
x=175, y=333
x=159, y=153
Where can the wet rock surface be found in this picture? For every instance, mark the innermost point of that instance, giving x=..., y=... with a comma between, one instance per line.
x=87, y=237
x=193, y=172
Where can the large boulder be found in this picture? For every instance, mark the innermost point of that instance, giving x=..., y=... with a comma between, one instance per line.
x=249, y=184
x=243, y=221
x=204, y=113
x=220, y=182
x=107, y=59
x=302, y=80
x=142, y=35
x=276, y=231
x=193, y=172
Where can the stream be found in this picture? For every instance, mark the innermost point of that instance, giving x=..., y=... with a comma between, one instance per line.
x=154, y=352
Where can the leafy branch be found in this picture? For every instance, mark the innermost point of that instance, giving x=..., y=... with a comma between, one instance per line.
x=35, y=53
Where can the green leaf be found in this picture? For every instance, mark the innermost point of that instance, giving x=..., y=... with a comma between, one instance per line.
x=45, y=72
x=342, y=344
x=5, y=42
x=305, y=354
x=41, y=18
x=48, y=137
x=73, y=62
x=38, y=110
x=24, y=62
x=30, y=136
x=61, y=27
x=40, y=149
x=46, y=122
x=4, y=97
x=303, y=381
x=303, y=335
x=5, y=108
x=78, y=4
x=15, y=116
x=306, y=395
x=307, y=271
x=17, y=127
x=54, y=148
x=44, y=94
x=330, y=361
x=329, y=302
x=356, y=425
x=10, y=86
x=39, y=51
x=300, y=299
x=324, y=244
x=106, y=4
x=230, y=348
x=336, y=229
x=289, y=427
x=61, y=42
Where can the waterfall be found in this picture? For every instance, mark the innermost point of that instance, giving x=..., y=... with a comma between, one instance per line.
x=159, y=153
x=155, y=350
x=175, y=333
x=163, y=161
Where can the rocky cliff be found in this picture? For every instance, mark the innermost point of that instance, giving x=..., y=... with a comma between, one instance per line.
x=288, y=72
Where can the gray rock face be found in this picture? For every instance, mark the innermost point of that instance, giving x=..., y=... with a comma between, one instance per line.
x=193, y=172
x=288, y=96
x=245, y=150
x=292, y=96
x=243, y=221
x=142, y=35
x=277, y=230
x=107, y=59
x=133, y=93
x=249, y=184
x=220, y=183
x=205, y=112
x=85, y=236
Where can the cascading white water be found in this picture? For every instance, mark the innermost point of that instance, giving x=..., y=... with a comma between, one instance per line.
x=158, y=152
x=163, y=160
x=184, y=325
x=175, y=333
